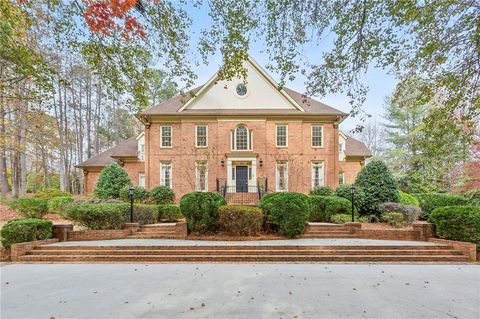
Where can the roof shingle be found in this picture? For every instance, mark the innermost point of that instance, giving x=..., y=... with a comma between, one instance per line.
x=126, y=148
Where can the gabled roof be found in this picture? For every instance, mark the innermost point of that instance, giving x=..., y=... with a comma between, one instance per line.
x=128, y=148
x=311, y=107
x=356, y=148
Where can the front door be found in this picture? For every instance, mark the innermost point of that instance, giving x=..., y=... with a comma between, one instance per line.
x=241, y=173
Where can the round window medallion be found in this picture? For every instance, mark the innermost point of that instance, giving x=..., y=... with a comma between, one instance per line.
x=241, y=89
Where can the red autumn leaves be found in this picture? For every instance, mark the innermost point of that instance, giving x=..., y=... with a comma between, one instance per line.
x=113, y=15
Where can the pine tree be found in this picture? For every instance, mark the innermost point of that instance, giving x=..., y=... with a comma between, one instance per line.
x=111, y=180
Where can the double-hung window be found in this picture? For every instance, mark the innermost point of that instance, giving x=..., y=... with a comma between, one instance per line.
x=341, y=178
x=141, y=153
x=166, y=174
x=165, y=136
x=141, y=179
x=201, y=174
x=317, y=174
x=281, y=135
x=317, y=136
x=201, y=135
x=282, y=176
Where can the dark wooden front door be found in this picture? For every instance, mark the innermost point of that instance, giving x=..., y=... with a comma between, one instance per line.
x=242, y=179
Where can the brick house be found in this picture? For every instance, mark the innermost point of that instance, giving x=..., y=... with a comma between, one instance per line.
x=241, y=139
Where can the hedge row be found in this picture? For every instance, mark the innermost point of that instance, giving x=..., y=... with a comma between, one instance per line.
x=324, y=207
x=457, y=223
x=23, y=230
x=240, y=220
x=430, y=201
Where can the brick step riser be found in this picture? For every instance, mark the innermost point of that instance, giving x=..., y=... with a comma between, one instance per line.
x=250, y=247
x=157, y=229
x=325, y=228
x=246, y=252
x=153, y=237
x=337, y=232
x=195, y=258
x=157, y=232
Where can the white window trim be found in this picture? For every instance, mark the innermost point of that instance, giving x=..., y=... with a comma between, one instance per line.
x=162, y=181
x=197, y=177
x=277, y=177
x=141, y=155
x=341, y=174
x=139, y=179
x=233, y=139
x=318, y=163
x=206, y=136
x=276, y=136
x=171, y=136
x=311, y=135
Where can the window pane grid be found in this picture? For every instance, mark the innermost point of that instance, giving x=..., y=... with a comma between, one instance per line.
x=166, y=177
x=166, y=136
x=241, y=138
x=201, y=177
x=316, y=136
x=317, y=175
x=201, y=135
x=281, y=135
x=282, y=176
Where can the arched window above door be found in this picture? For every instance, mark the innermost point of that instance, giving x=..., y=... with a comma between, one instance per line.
x=242, y=139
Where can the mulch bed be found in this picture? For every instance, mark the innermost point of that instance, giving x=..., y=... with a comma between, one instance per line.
x=6, y=213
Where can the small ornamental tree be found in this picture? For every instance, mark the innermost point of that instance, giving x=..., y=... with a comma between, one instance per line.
x=379, y=186
x=111, y=180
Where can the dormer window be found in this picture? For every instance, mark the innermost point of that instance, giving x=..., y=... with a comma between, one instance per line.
x=242, y=139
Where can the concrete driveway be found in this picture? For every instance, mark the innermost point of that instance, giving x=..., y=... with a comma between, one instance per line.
x=239, y=291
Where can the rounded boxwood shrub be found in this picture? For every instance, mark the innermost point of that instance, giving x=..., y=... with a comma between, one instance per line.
x=24, y=230
x=30, y=207
x=457, y=223
x=99, y=216
x=344, y=191
x=140, y=194
x=288, y=211
x=161, y=195
x=379, y=186
x=324, y=207
x=407, y=199
x=240, y=220
x=143, y=214
x=111, y=180
x=169, y=213
x=430, y=201
x=57, y=205
x=49, y=193
x=322, y=191
x=201, y=210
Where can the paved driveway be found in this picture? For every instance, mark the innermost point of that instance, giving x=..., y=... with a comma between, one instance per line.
x=239, y=291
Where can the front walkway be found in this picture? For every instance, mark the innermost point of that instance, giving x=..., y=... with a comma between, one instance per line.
x=286, y=242
x=239, y=291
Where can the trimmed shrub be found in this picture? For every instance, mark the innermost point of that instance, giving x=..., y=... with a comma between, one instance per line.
x=58, y=205
x=49, y=193
x=240, y=220
x=324, y=207
x=143, y=214
x=30, y=207
x=201, y=210
x=345, y=192
x=411, y=213
x=288, y=211
x=96, y=201
x=24, y=230
x=140, y=194
x=430, y=201
x=169, y=213
x=111, y=180
x=407, y=199
x=379, y=186
x=457, y=223
x=341, y=218
x=397, y=220
x=99, y=216
x=161, y=195
x=322, y=191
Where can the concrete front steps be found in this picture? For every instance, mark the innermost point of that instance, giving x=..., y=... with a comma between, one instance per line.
x=326, y=230
x=156, y=231
x=237, y=253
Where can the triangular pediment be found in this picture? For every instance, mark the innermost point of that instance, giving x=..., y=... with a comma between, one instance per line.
x=259, y=92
